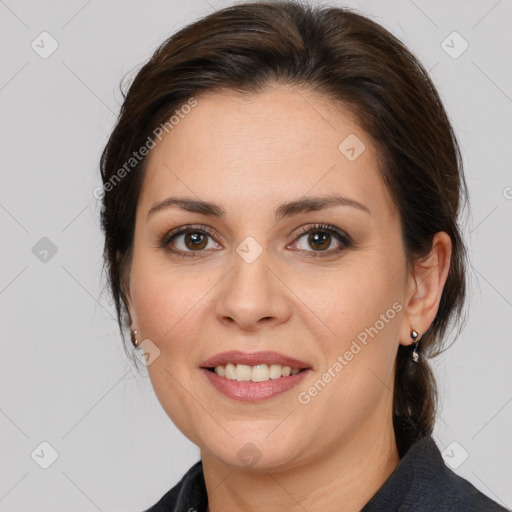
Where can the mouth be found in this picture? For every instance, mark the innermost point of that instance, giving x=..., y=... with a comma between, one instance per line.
x=255, y=366
x=254, y=376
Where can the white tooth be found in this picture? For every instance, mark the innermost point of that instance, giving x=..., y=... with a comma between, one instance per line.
x=243, y=372
x=230, y=371
x=275, y=371
x=260, y=373
x=257, y=373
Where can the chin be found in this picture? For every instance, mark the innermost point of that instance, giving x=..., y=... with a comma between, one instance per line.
x=255, y=453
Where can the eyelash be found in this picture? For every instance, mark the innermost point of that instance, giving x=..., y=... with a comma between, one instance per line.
x=165, y=240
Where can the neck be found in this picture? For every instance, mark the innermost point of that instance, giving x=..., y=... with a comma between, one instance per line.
x=341, y=479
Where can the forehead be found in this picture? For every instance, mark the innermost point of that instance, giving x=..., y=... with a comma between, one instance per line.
x=262, y=148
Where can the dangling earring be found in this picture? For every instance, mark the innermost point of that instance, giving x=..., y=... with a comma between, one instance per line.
x=415, y=356
x=134, y=338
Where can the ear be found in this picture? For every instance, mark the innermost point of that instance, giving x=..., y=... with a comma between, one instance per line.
x=125, y=285
x=425, y=288
x=131, y=316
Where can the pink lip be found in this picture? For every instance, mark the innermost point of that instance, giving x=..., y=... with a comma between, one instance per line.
x=247, y=391
x=252, y=359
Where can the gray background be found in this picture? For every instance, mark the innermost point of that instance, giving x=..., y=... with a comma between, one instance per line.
x=64, y=378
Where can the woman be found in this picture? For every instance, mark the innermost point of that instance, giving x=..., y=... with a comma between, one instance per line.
x=280, y=209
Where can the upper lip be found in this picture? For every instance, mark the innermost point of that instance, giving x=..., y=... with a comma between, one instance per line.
x=252, y=359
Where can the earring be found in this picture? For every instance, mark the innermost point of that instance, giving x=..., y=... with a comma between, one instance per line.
x=415, y=356
x=134, y=338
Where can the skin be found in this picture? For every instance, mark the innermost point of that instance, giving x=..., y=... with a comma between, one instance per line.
x=249, y=154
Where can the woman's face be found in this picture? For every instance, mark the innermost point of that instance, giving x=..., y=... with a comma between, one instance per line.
x=252, y=279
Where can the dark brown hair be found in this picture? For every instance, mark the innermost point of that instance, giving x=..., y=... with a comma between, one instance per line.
x=349, y=59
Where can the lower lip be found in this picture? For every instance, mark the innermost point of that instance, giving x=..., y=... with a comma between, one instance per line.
x=248, y=391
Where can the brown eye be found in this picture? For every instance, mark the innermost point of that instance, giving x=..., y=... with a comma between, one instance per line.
x=320, y=238
x=188, y=241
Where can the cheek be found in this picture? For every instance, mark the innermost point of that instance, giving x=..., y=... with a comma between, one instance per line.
x=167, y=301
x=347, y=302
x=361, y=311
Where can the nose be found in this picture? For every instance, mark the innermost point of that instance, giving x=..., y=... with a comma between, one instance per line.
x=252, y=295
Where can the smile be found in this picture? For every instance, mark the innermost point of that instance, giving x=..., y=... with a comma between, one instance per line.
x=257, y=373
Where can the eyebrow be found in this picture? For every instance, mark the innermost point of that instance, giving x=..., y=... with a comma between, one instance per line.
x=309, y=204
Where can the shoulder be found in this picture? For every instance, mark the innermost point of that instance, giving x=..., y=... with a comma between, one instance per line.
x=437, y=486
x=188, y=493
x=458, y=494
x=422, y=482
